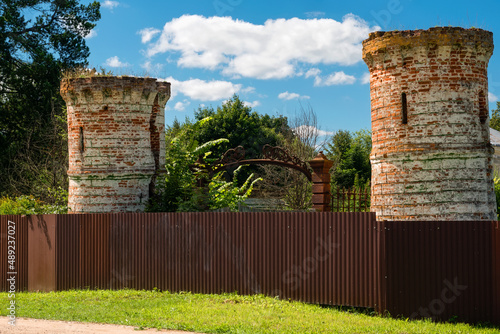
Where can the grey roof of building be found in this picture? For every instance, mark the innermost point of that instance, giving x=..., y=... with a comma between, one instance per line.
x=495, y=137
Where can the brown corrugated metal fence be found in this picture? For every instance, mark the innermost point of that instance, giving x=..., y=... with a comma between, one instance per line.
x=21, y=252
x=414, y=269
x=496, y=270
x=439, y=269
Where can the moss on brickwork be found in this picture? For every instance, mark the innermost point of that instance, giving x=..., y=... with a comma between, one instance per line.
x=441, y=148
x=111, y=117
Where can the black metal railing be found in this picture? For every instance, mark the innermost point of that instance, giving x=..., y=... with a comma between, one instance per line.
x=350, y=200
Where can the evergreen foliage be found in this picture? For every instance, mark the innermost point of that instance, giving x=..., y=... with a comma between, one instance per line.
x=495, y=118
x=39, y=40
x=350, y=153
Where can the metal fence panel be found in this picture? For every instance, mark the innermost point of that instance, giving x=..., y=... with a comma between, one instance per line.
x=409, y=268
x=439, y=269
x=19, y=234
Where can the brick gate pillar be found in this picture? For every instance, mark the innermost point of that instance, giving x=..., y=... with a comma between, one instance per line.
x=321, y=182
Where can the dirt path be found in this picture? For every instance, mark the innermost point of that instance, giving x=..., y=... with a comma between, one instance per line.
x=37, y=326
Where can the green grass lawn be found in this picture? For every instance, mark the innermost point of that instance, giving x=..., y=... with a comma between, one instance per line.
x=227, y=313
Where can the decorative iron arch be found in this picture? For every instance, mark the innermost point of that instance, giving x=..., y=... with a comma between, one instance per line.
x=271, y=155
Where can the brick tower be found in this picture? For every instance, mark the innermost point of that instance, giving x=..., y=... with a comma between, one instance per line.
x=116, y=141
x=431, y=156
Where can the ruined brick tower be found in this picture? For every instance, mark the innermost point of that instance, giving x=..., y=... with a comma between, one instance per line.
x=431, y=156
x=116, y=141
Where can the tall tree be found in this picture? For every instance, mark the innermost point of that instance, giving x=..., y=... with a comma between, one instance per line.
x=241, y=126
x=303, y=142
x=39, y=39
x=350, y=153
x=495, y=118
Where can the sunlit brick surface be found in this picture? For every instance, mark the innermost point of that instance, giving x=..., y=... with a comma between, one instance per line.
x=115, y=139
x=437, y=166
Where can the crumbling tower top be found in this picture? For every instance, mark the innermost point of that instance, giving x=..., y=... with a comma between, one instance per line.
x=473, y=38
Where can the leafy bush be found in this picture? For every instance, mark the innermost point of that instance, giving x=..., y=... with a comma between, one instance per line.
x=181, y=190
x=223, y=194
x=29, y=205
x=496, y=181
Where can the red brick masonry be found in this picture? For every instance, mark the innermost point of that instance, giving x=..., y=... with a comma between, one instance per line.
x=431, y=157
x=115, y=142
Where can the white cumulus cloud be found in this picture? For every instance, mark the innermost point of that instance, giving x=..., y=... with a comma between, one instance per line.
x=251, y=104
x=91, y=34
x=108, y=4
x=272, y=50
x=365, y=79
x=492, y=97
x=181, y=106
x=313, y=72
x=115, y=62
x=202, y=90
x=147, y=34
x=292, y=96
x=248, y=89
x=337, y=78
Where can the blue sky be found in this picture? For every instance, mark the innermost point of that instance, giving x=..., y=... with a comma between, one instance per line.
x=276, y=55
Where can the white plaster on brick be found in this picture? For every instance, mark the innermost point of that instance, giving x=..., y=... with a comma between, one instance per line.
x=114, y=171
x=438, y=165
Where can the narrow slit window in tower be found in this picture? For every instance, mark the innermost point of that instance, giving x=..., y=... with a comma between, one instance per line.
x=483, y=110
x=404, y=109
x=82, y=145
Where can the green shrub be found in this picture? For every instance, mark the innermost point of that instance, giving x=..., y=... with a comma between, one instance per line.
x=223, y=194
x=29, y=205
x=189, y=189
x=496, y=181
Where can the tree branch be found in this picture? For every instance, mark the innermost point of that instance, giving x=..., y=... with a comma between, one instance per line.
x=36, y=28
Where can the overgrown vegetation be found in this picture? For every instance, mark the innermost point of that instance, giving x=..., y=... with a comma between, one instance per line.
x=240, y=125
x=350, y=153
x=233, y=124
x=34, y=52
x=223, y=194
x=29, y=205
x=495, y=118
x=186, y=188
x=224, y=313
x=301, y=141
x=496, y=181
x=85, y=72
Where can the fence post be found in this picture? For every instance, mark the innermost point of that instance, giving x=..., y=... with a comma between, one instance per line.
x=321, y=182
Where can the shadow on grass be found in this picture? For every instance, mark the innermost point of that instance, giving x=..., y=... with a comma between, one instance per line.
x=369, y=311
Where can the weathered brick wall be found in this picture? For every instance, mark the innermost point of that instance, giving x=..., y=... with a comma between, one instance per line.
x=116, y=142
x=431, y=157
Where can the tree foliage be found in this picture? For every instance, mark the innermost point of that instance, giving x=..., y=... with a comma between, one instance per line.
x=182, y=190
x=303, y=142
x=237, y=122
x=29, y=205
x=241, y=126
x=350, y=153
x=223, y=194
x=496, y=182
x=39, y=39
x=495, y=118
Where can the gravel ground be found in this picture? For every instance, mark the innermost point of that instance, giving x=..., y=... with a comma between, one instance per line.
x=38, y=326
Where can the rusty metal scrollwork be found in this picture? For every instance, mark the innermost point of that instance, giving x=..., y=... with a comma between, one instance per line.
x=280, y=154
x=231, y=156
x=272, y=155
